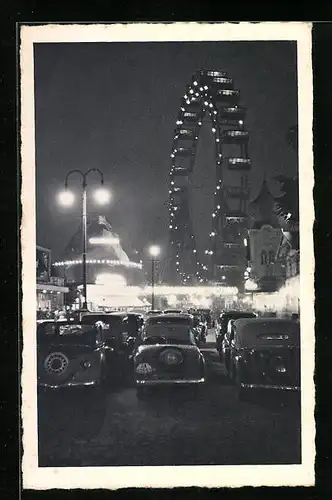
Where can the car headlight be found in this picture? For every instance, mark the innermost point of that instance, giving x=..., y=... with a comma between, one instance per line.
x=144, y=368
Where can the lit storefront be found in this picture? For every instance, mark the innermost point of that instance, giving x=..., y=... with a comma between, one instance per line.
x=50, y=290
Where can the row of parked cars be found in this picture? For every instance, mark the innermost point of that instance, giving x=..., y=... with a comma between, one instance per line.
x=101, y=348
x=164, y=348
x=259, y=352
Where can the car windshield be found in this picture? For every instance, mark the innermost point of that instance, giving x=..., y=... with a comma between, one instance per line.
x=67, y=332
x=168, y=320
x=178, y=334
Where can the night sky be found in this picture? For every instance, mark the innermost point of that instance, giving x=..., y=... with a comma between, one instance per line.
x=113, y=106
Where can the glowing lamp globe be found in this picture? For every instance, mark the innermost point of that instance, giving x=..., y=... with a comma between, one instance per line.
x=102, y=196
x=66, y=198
x=154, y=251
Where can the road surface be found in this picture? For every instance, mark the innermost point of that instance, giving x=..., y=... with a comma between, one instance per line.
x=81, y=428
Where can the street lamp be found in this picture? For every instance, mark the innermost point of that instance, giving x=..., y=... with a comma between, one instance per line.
x=154, y=252
x=66, y=198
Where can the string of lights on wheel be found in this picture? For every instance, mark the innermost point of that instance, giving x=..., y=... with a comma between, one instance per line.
x=210, y=92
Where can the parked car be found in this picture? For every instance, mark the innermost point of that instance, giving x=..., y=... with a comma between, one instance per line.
x=221, y=327
x=121, y=332
x=168, y=355
x=265, y=354
x=70, y=355
x=200, y=327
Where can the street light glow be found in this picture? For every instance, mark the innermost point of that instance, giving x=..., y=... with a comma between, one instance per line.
x=154, y=250
x=66, y=198
x=102, y=196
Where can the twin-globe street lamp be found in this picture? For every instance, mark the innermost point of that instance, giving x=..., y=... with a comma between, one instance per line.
x=67, y=198
x=154, y=251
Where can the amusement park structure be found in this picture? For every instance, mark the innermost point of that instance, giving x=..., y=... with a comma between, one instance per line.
x=105, y=255
x=212, y=95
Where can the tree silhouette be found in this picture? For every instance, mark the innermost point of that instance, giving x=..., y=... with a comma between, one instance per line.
x=288, y=203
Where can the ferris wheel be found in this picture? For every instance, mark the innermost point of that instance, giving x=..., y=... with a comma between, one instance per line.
x=210, y=95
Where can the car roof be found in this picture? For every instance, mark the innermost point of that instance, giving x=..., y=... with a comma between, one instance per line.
x=167, y=330
x=236, y=313
x=172, y=315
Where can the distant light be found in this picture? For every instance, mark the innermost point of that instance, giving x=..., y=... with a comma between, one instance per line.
x=154, y=250
x=104, y=241
x=240, y=122
x=245, y=241
x=289, y=215
x=213, y=130
x=102, y=196
x=223, y=277
x=248, y=269
x=66, y=198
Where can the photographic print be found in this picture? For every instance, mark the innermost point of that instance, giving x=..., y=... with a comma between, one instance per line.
x=167, y=250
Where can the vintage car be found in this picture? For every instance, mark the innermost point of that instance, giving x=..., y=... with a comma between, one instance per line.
x=265, y=354
x=70, y=355
x=168, y=355
x=121, y=332
x=222, y=324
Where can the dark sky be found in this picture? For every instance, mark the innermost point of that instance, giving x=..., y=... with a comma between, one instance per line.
x=114, y=105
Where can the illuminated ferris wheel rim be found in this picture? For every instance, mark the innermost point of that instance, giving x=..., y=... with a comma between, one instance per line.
x=210, y=92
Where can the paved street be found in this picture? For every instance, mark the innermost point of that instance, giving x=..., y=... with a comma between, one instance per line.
x=174, y=428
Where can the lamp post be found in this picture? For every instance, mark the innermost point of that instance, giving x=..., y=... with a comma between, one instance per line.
x=154, y=251
x=66, y=198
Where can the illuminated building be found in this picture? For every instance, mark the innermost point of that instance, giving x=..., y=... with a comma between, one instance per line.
x=105, y=254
